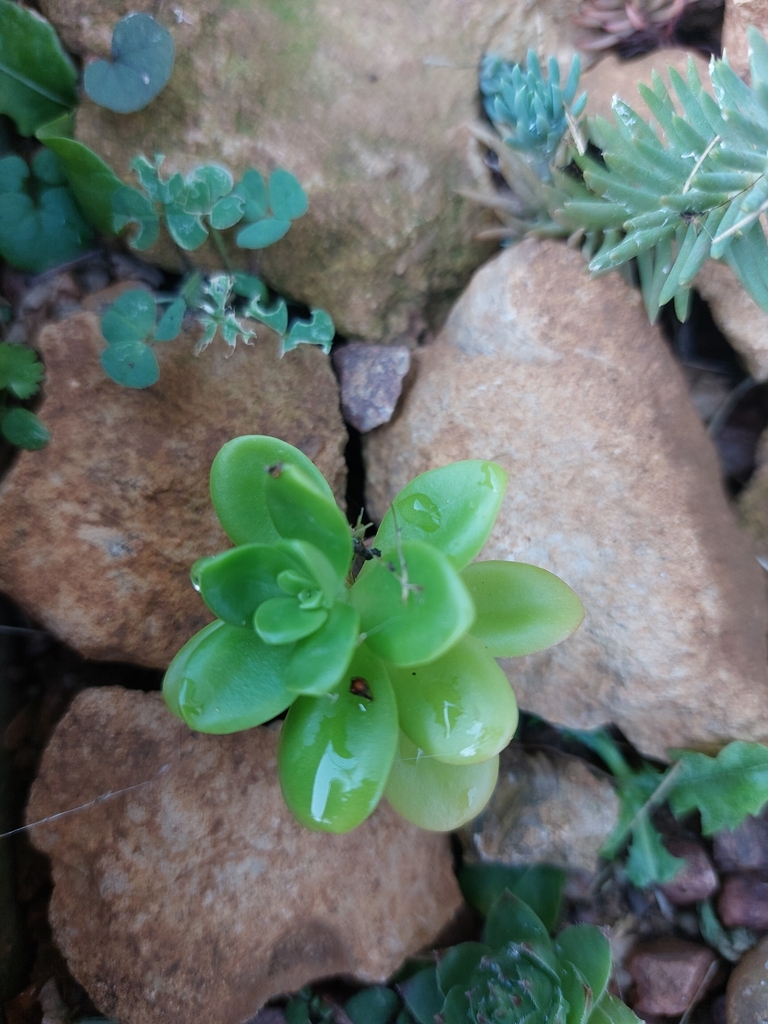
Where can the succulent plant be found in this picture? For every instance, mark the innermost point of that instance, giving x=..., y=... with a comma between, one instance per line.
x=390, y=672
x=519, y=975
x=531, y=111
x=631, y=26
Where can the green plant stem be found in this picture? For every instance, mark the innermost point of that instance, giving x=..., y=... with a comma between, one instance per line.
x=657, y=796
x=221, y=248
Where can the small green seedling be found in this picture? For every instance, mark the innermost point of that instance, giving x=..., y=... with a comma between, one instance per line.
x=723, y=789
x=40, y=224
x=390, y=674
x=141, y=65
x=517, y=974
x=20, y=375
x=208, y=200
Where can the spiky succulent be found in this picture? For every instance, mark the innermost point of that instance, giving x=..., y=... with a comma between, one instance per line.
x=531, y=111
x=519, y=975
x=689, y=189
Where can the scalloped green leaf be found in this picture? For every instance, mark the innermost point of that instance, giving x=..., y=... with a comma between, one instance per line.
x=274, y=316
x=131, y=363
x=37, y=79
x=20, y=370
x=129, y=206
x=724, y=789
x=169, y=326
x=452, y=508
x=520, y=608
x=141, y=65
x=37, y=235
x=318, y=330
x=262, y=233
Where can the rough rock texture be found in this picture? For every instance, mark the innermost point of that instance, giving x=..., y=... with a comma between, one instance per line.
x=747, y=994
x=738, y=16
x=737, y=315
x=193, y=895
x=365, y=103
x=547, y=808
x=613, y=486
x=744, y=848
x=696, y=880
x=743, y=902
x=612, y=76
x=98, y=530
x=753, y=501
x=371, y=380
x=669, y=974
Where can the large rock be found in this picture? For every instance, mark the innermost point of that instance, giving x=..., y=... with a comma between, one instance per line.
x=547, y=808
x=613, y=486
x=98, y=531
x=365, y=103
x=189, y=893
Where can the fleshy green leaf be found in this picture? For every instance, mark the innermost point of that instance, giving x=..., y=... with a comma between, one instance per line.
x=459, y=964
x=611, y=1010
x=287, y=199
x=724, y=789
x=142, y=62
x=422, y=996
x=237, y=485
x=512, y=920
x=13, y=174
x=226, y=679
x=377, y=1005
x=302, y=511
x=540, y=886
x=131, y=363
x=205, y=186
x=280, y=620
x=20, y=370
x=319, y=661
x=520, y=608
x=169, y=327
x=589, y=951
x=37, y=79
x=130, y=318
x=413, y=605
x=318, y=330
x=452, y=508
x=235, y=583
x=22, y=428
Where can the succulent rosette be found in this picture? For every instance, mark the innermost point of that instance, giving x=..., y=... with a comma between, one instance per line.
x=519, y=975
x=390, y=674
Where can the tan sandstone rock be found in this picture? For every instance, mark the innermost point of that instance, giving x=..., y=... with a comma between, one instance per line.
x=98, y=531
x=615, y=77
x=738, y=16
x=193, y=894
x=547, y=808
x=613, y=486
x=365, y=103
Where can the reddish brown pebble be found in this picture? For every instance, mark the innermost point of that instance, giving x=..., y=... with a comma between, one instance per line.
x=668, y=974
x=697, y=880
x=743, y=849
x=744, y=901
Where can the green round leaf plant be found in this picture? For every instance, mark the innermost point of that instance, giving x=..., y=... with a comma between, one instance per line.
x=388, y=673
